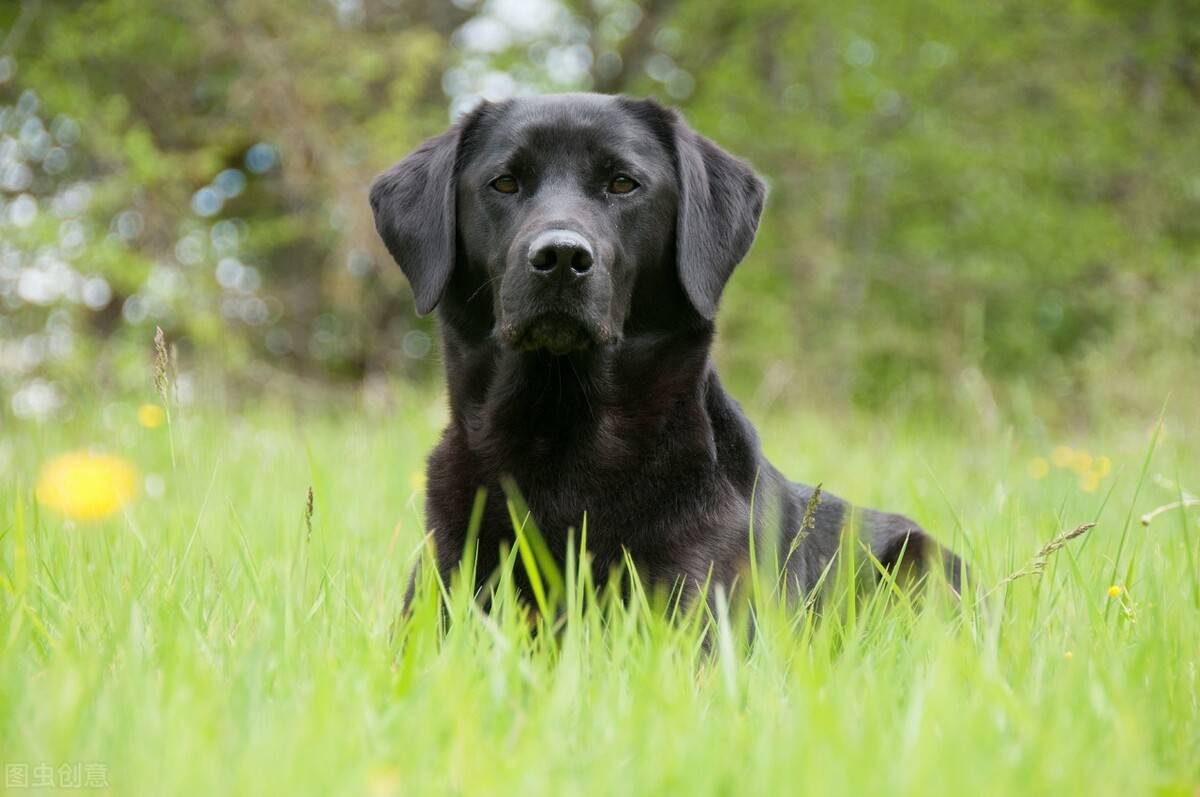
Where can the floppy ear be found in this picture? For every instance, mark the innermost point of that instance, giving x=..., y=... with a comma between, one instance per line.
x=720, y=202
x=415, y=215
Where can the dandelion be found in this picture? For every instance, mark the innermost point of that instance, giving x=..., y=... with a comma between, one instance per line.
x=383, y=782
x=1069, y=655
x=417, y=481
x=1062, y=456
x=1088, y=469
x=84, y=486
x=1115, y=591
x=150, y=416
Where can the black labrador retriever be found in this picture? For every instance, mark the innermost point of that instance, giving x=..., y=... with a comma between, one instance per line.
x=575, y=247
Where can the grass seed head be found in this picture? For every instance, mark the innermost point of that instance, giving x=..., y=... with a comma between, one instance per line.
x=308, y=512
x=161, y=359
x=1037, y=565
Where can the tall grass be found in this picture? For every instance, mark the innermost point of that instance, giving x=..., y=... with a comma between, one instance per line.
x=241, y=632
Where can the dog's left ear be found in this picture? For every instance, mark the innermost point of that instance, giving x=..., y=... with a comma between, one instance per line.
x=415, y=209
x=720, y=203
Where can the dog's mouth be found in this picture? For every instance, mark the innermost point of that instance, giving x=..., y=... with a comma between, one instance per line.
x=556, y=332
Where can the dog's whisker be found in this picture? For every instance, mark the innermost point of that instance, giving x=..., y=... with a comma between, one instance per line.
x=486, y=284
x=582, y=389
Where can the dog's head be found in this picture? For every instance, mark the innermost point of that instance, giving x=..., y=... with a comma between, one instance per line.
x=560, y=210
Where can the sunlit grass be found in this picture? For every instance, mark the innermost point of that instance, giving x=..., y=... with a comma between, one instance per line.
x=220, y=634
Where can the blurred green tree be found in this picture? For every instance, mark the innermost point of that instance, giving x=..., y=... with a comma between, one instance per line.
x=956, y=189
x=966, y=199
x=225, y=151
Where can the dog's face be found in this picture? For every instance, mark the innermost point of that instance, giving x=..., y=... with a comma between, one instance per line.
x=561, y=204
x=559, y=208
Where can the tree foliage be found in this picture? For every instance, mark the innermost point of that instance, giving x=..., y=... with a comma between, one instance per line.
x=962, y=195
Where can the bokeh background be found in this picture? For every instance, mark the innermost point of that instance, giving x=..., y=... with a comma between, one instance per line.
x=981, y=208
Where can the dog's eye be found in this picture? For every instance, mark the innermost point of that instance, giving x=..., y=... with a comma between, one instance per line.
x=621, y=184
x=505, y=184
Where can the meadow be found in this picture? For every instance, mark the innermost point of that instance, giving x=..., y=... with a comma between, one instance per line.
x=972, y=297
x=219, y=634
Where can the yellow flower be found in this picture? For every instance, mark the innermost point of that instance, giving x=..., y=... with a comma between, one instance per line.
x=86, y=486
x=1038, y=468
x=1089, y=482
x=1068, y=655
x=1081, y=462
x=1103, y=466
x=1062, y=456
x=417, y=481
x=383, y=782
x=1115, y=591
x=150, y=415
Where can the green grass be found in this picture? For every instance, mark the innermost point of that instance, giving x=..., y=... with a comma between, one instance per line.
x=203, y=642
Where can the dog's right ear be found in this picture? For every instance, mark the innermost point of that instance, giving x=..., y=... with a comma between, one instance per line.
x=414, y=209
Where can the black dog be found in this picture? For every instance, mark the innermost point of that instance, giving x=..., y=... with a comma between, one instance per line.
x=575, y=247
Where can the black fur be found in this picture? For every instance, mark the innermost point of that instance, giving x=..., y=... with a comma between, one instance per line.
x=595, y=392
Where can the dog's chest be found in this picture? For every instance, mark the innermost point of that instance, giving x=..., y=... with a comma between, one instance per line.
x=629, y=483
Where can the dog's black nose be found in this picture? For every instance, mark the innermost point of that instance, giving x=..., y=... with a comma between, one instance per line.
x=560, y=252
